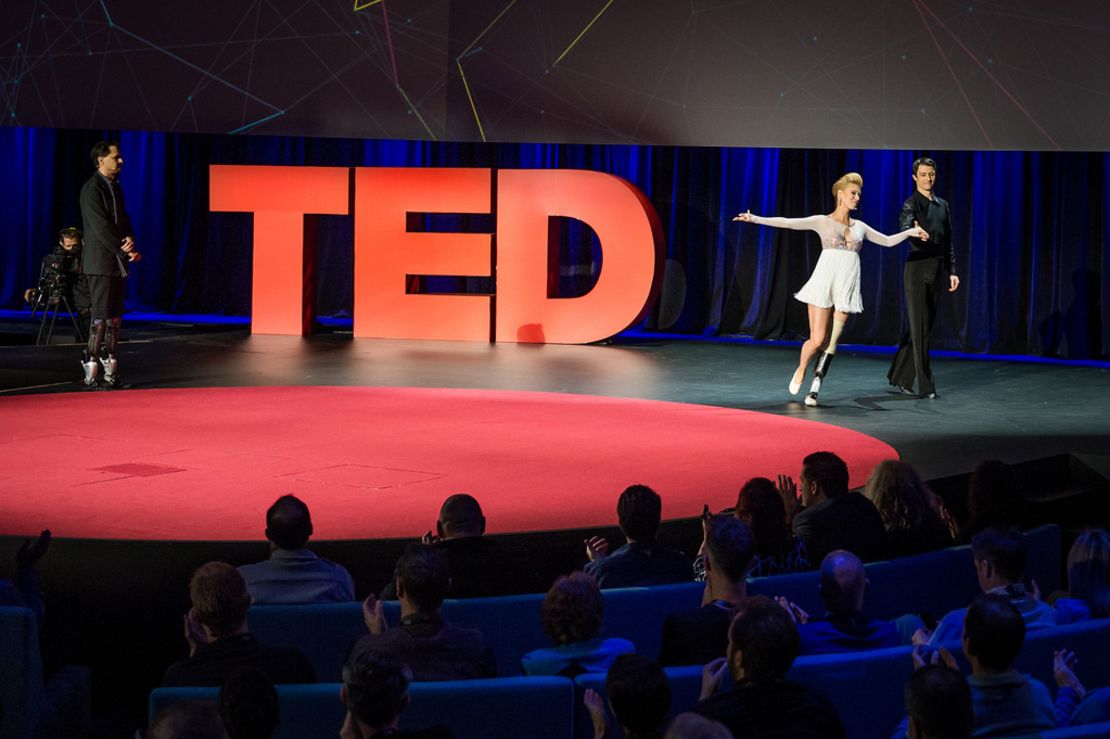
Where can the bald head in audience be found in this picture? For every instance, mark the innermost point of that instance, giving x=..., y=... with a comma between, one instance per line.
x=843, y=582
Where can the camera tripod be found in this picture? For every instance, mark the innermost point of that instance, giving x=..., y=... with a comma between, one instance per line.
x=51, y=304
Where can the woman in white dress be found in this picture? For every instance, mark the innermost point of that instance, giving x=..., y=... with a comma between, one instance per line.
x=833, y=290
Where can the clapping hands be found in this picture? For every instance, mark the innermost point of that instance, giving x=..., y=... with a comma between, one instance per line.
x=597, y=547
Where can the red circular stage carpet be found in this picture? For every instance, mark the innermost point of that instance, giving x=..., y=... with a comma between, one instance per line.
x=205, y=463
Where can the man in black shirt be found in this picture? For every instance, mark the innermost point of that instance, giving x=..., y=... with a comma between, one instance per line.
x=109, y=246
x=926, y=266
x=763, y=704
x=219, y=642
x=701, y=635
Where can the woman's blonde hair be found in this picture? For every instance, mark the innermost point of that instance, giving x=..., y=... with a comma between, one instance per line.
x=852, y=178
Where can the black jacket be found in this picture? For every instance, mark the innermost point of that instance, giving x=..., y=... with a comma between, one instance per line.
x=106, y=225
x=847, y=521
x=774, y=709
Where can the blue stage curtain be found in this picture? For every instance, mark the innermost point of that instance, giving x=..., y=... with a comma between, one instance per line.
x=1032, y=241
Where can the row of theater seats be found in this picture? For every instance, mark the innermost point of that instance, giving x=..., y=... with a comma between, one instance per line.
x=866, y=688
x=936, y=583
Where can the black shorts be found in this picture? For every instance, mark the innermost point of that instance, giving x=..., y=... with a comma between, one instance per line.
x=106, y=296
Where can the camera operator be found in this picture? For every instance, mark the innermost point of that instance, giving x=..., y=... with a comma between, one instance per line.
x=61, y=281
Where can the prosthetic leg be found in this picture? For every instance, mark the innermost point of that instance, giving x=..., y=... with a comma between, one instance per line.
x=92, y=350
x=823, y=362
x=108, y=354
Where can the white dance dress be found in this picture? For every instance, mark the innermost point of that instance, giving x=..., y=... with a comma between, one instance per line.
x=835, y=280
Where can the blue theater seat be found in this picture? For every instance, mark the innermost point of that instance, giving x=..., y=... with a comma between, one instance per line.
x=1090, y=731
x=31, y=708
x=541, y=707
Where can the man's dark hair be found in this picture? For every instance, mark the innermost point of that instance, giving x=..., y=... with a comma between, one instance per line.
x=760, y=506
x=828, y=471
x=288, y=523
x=1005, y=548
x=572, y=609
x=101, y=149
x=219, y=597
x=730, y=547
x=249, y=704
x=639, y=695
x=461, y=514
x=994, y=630
x=923, y=161
x=70, y=232
x=938, y=699
x=766, y=637
x=188, y=720
x=377, y=685
x=638, y=512
x=424, y=576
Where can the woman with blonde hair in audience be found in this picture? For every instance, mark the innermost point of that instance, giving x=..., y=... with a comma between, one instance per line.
x=571, y=614
x=914, y=516
x=1088, y=566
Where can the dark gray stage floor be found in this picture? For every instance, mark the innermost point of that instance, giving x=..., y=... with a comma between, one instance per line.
x=1013, y=411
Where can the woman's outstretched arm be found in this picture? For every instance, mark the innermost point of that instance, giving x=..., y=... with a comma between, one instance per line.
x=883, y=240
x=809, y=223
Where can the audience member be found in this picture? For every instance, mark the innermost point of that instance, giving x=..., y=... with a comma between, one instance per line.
x=1075, y=705
x=479, y=564
x=1004, y=701
x=993, y=497
x=693, y=726
x=248, y=704
x=216, y=630
x=1088, y=568
x=23, y=590
x=914, y=516
x=698, y=636
x=293, y=574
x=999, y=554
x=639, y=696
x=777, y=550
x=762, y=645
x=376, y=692
x=830, y=517
x=844, y=628
x=642, y=560
x=572, y=613
x=431, y=647
x=938, y=701
x=188, y=720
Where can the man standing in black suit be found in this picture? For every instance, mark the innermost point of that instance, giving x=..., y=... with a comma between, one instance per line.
x=109, y=246
x=926, y=267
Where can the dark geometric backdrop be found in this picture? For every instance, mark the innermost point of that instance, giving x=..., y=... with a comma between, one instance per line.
x=1032, y=240
x=905, y=74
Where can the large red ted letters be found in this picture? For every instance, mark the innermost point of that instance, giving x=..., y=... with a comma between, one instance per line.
x=387, y=255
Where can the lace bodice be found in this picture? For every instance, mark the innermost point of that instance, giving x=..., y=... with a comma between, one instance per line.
x=834, y=235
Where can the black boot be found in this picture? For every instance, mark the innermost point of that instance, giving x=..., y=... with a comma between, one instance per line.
x=92, y=352
x=819, y=373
